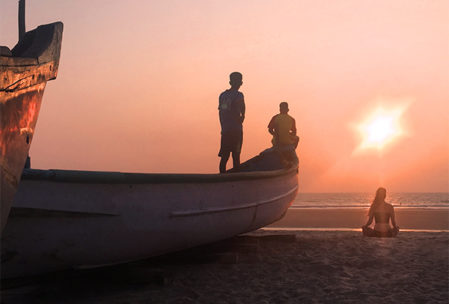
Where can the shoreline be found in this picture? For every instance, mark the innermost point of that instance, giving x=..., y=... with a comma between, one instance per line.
x=407, y=218
x=367, y=207
x=298, y=229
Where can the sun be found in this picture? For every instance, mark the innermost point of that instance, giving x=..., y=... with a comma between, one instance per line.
x=380, y=128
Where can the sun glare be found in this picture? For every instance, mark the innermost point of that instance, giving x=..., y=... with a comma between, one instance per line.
x=380, y=128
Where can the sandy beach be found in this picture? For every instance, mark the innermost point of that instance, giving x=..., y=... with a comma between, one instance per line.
x=265, y=266
x=406, y=218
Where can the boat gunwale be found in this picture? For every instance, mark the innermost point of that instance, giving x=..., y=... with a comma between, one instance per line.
x=110, y=177
x=18, y=62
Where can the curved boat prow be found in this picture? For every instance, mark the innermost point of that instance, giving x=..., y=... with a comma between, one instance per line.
x=24, y=71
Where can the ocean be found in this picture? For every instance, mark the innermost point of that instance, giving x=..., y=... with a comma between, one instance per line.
x=350, y=200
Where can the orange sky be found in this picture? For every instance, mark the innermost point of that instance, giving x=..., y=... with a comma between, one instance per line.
x=138, y=85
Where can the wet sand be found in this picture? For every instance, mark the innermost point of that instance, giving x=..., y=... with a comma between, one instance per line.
x=264, y=267
x=406, y=218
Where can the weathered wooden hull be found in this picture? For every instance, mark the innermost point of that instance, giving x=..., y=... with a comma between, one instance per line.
x=64, y=219
x=24, y=75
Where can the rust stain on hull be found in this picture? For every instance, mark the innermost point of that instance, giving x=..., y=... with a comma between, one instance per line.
x=23, y=77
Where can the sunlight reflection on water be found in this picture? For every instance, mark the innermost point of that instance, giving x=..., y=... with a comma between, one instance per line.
x=423, y=200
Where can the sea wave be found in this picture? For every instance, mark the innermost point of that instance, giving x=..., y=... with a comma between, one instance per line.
x=363, y=200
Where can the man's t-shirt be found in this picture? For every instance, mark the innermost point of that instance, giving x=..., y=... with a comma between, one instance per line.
x=231, y=106
x=282, y=125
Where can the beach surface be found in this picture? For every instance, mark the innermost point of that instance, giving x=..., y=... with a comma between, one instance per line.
x=265, y=266
x=354, y=218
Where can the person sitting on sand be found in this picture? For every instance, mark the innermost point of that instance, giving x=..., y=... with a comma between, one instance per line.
x=382, y=212
x=283, y=128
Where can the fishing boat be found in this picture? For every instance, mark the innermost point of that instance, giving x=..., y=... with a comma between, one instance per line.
x=76, y=219
x=24, y=72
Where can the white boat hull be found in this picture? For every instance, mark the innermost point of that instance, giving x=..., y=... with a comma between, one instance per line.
x=60, y=223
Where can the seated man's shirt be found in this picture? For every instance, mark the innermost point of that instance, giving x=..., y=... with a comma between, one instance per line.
x=282, y=125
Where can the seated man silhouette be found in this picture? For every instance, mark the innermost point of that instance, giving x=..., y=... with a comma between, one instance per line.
x=283, y=128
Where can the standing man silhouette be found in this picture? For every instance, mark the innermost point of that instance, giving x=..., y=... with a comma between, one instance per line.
x=231, y=106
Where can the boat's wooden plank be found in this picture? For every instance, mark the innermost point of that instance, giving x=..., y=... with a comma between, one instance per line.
x=23, y=77
x=7, y=61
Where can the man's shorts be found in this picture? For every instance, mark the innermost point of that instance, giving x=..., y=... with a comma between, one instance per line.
x=231, y=142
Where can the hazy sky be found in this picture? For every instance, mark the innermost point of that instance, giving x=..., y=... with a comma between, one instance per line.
x=138, y=85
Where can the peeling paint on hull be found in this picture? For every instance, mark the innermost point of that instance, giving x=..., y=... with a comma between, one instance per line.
x=23, y=77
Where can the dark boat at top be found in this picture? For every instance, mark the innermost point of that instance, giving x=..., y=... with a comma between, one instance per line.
x=24, y=72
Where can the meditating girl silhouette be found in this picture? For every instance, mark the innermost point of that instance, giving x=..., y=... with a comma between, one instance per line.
x=382, y=212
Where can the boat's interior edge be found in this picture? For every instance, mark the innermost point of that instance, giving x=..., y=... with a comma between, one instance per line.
x=18, y=61
x=74, y=176
x=36, y=42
